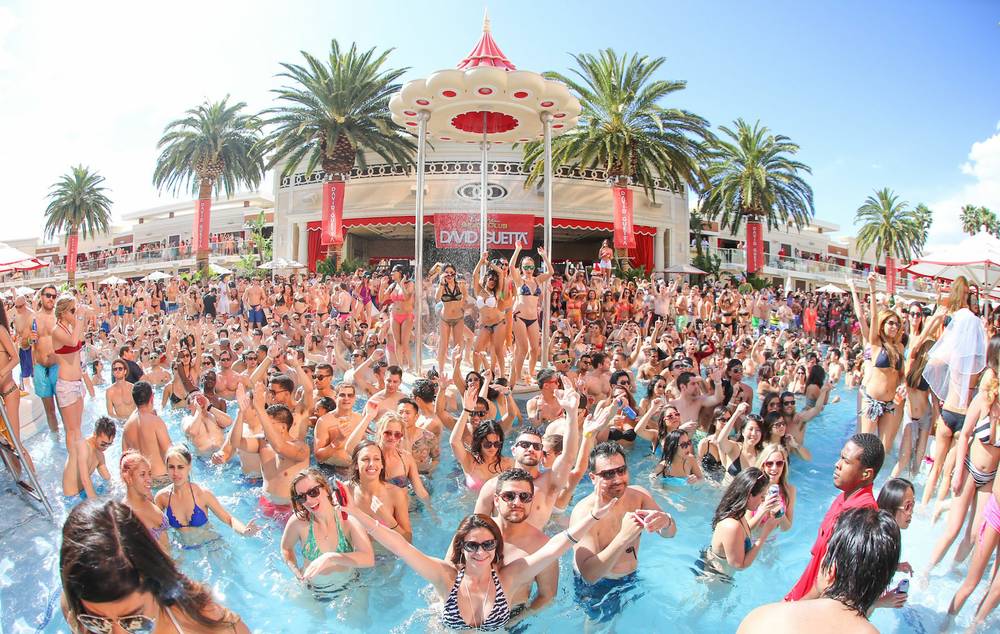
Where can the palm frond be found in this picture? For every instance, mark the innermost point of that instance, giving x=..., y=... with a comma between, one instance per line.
x=78, y=203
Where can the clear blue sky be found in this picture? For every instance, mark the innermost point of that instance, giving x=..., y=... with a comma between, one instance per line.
x=895, y=94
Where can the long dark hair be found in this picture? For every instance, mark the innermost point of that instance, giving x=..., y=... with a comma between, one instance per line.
x=107, y=553
x=671, y=443
x=3, y=317
x=355, y=472
x=890, y=498
x=746, y=484
x=479, y=434
x=476, y=520
x=753, y=418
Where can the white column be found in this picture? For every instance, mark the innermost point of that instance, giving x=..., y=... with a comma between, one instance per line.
x=303, y=247
x=658, y=259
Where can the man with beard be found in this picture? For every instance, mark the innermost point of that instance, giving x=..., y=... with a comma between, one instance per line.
x=607, y=555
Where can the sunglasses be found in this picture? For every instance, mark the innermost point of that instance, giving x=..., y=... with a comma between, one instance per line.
x=527, y=267
x=487, y=546
x=313, y=492
x=787, y=403
x=492, y=444
x=685, y=444
x=392, y=434
x=510, y=496
x=774, y=463
x=50, y=296
x=275, y=392
x=608, y=474
x=118, y=369
x=672, y=415
x=527, y=444
x=136, y=624
x=322, y=376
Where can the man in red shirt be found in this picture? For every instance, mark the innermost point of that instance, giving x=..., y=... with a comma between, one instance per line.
x=860, y=461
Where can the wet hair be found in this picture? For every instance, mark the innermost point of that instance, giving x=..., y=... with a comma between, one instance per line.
x=178, y=450
x=862, y=553
x=515, y=474
x=282, y=414
x=107, y=554
x=479, y=434
x=671, y=443
x=311, y=472
x=355, y=471
x=424, y=389
x=142, y=393
x=605, y=449
x=872, y=452
x=890, y=497
x=104, y=426
x=476, y=520
x=747, y=483
x=284, y=382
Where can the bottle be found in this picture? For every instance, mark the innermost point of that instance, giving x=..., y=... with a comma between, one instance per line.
x=628, y=411
x=774, y=489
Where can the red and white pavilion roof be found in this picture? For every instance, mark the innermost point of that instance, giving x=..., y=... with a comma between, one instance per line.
x=485, y=91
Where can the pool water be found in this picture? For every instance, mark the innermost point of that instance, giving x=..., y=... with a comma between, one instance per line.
x=248, y=574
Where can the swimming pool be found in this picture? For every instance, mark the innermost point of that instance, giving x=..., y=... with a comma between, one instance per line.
x=248, y=575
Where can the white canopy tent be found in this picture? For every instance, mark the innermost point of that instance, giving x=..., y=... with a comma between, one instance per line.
x=830, y=288
x=156, y=276
x=12, y=259
x=977, y=258
x=113, y=281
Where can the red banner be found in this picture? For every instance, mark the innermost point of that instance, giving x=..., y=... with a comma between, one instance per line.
x=624, y=229
x=503, y=231
x=202, y=224
x=890, y=275
x=755, y=246
x=332, y=213
x=72, y=243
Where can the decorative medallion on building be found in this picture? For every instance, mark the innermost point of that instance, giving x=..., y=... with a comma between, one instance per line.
x=470, y=191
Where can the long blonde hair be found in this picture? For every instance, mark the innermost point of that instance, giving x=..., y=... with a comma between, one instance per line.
x=958, y=297
x=989, y=383
x=64, y=303
x=765, y=453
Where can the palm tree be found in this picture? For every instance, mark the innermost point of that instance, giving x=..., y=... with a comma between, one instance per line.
x=973, y=218
x=624, y=129
x=753, y=177
x=78, y=205
x=890, y=226
x=925, y=217
x=215, y=147
x=335, y=111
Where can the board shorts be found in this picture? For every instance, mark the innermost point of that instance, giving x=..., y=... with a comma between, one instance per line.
x=27, y=367
x=45, y=380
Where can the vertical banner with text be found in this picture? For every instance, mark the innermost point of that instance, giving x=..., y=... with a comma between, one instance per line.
x=624, y=228
x=333, y=213
x=72, y=244
x=202, y=223
x=755, y=246
x=890, y=275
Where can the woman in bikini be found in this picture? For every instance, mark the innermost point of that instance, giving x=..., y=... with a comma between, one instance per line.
x=491, y=335
x=186, y=504
x=733, y=546
x=773, y=461
x=741, y=453
x=400, y=293
x=183, y=381
x=451, y=293
x=918, y=394
x=333, y=545
x=484, y=458
x=604, y=257
x=679, y=465
x=137, y=476
x=10, y=394
x=368, y=483
x=878, y=411
x=592, y=307
x=67, y=339
x=400, y=466
x=527, y=334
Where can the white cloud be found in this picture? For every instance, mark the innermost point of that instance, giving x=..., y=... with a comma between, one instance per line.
x=983, y=167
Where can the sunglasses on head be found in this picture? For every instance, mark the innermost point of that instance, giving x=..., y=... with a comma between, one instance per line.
x=510, y=496
x=608, y=474
x=313, y=492
x=135, y=624
x=486, y=546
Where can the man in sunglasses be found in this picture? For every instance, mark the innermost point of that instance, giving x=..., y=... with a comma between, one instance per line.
x=88, y=457
x=527, y=452
x=545, y=407
x=45, y=370
x=608, y=553
x=796, y=421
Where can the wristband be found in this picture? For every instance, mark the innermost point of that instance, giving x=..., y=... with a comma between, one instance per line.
x=594, y=516
x=570, y=537
x=469, y=411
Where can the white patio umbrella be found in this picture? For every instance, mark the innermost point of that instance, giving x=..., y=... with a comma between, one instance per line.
x=684, y=269
x=829, y=288
x=12, y=259
x=24, y=290
x=280, y=263
x=156, y=276
x=216, y=269
x=113, y=281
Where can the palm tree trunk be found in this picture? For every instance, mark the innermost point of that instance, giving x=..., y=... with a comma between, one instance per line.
x=202, y=226
x=72, y=241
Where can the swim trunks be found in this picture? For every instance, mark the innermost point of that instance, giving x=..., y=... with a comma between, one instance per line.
x=604, y=600
x=45, y=380
x=27, y=366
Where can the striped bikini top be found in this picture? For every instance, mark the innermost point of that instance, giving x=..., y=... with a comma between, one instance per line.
x=984, y=433
x=496, y=619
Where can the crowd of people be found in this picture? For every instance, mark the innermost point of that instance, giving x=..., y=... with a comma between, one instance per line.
x=299, y=384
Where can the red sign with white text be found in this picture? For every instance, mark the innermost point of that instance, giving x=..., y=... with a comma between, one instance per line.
x=890, y=275
x=332, y=213
x=72, y=244
x=503, y=231
x=202, y=223
x=624, y=219
x=755, y=246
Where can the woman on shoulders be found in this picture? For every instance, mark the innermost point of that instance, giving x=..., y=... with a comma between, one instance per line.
x=679, y=466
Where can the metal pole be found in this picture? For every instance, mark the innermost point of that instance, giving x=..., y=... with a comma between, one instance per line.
x=547, y=234
x=418, y=277
x=482, y=191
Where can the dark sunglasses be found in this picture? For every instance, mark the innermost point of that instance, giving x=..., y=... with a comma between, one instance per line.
x=477, y=414
x=393, y=434
x=486, y=546
x=527, y=444
x=135, y=624
x=787, y=403
x=608, y=474
x=313, y=492
x=492, y=444
x=50, y=296
x=510, y=496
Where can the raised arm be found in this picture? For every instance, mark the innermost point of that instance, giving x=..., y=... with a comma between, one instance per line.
x=462, y=454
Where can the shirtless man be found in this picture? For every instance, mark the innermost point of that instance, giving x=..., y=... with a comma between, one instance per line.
x=607, y=555
x=227, y=378
x=428, y=417
x=527, y=453
x=88, y=457
x=253, y=302
x=205, y=426
x=386, y=399
x=45, y=371
x=323, y=379
x=545, y=408
x=146, y=432
x=691, y=400
x=172, y=292
x=23, y=316
x=333, y=428
x=597, y=382
x=209, y=379
x=282, y=455
x=157, y=375
x=118, y=397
